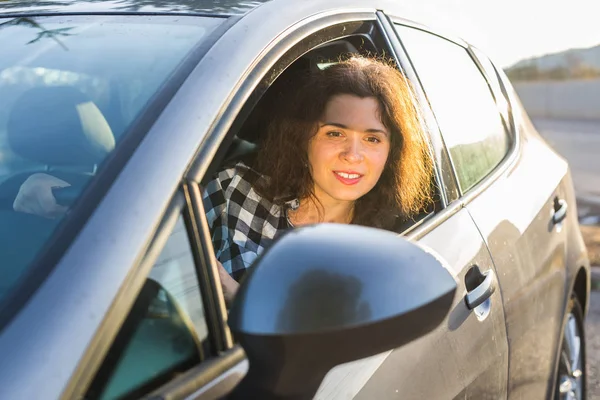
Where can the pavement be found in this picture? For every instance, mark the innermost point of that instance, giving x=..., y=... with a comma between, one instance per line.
x=579, y=142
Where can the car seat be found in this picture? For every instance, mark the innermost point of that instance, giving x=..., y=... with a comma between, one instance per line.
x=61, y=128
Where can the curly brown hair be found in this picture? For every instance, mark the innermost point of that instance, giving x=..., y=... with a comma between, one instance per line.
x=405, y=186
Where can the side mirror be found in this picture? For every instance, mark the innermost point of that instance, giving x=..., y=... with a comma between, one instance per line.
x=328, y=294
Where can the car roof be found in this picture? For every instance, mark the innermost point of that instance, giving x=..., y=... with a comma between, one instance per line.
x=423, y=15
x=219, y=7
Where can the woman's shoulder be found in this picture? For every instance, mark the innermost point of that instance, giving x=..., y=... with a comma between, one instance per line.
x=238, y=174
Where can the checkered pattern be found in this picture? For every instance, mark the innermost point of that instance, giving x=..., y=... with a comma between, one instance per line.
x=242, y=223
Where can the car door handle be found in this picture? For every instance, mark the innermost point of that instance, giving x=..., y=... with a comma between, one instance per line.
x=560, y=210
x=483, y=291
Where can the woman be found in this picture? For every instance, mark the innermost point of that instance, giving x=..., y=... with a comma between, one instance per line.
x=348, y=147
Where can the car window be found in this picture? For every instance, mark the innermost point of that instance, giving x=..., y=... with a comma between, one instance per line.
x=165, y=332
x=67, y=99
x=462, y=102
x=492, y=77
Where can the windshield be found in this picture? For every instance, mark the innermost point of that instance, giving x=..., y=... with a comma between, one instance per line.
x=70, y=87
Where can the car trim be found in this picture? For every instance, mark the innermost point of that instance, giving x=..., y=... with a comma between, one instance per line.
x=209, y=380
x=448, y=184
x=508, y=122
x=112, y=13
x=426, y=28
x=206, y=267
x=435, y=220
x=407, y=68
x=92, y=195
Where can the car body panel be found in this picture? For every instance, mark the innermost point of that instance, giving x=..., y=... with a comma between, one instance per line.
x=531, y=256
x=532, y=282
x=474, y=350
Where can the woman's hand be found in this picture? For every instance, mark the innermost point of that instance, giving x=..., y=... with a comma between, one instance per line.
x=228, y=284
x=35, y=196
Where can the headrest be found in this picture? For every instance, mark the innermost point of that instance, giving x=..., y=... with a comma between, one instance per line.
x=278, y=94
x=59, y=125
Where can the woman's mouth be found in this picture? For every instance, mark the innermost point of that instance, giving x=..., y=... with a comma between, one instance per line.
x=347, y=178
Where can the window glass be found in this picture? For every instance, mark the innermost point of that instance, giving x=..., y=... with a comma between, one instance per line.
x=70, y=87
x=462, y=102
x=165, y=332
x=494, y=80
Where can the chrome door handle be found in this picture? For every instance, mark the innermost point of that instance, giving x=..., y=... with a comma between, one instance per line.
x=482, y=292
x=560, y=211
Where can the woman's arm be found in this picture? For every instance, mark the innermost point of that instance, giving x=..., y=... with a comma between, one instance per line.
x=228, y=284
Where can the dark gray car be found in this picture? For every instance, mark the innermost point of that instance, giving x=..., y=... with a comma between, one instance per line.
x=136, y=103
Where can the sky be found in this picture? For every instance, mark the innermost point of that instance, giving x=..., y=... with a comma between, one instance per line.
x=512, y=30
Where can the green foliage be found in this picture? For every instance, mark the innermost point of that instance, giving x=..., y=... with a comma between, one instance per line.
x=473, y=161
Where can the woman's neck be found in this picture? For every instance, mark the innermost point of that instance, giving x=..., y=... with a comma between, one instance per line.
x=311, y=212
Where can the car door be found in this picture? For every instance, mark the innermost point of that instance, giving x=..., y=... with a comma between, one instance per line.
x=511, y=187
x=467, y=355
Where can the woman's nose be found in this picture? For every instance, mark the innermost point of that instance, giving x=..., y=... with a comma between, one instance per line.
x=353, y=151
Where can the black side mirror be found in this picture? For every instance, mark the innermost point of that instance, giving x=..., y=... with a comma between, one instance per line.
x=328, y=294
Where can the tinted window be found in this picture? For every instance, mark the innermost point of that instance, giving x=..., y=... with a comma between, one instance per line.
x=70, y=87
x=462, y=103
x=165, y=332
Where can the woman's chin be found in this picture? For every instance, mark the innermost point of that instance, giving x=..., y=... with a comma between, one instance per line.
x=346, y=195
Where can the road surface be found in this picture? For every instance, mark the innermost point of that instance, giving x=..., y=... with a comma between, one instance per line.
x=579, y=143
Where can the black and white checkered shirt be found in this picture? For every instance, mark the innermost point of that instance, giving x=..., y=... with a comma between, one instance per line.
x=242, y=223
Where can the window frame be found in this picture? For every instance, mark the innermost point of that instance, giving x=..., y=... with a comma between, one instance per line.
x=179, y=206
x=478, y=55
x=339, y=28
x=514, y=147
x=448, y=185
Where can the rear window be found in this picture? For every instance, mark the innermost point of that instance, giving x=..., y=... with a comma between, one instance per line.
x=70, y=88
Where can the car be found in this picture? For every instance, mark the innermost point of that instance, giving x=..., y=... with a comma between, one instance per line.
x=137, y=103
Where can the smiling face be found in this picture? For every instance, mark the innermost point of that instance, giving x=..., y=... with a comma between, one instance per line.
x=348, y=153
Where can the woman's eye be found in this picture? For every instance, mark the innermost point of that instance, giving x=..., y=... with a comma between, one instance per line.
x=334, y=134
x=373, y=139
